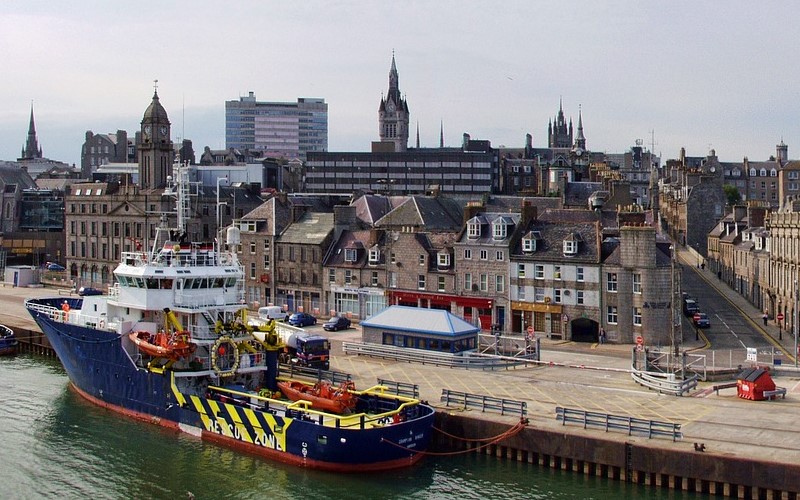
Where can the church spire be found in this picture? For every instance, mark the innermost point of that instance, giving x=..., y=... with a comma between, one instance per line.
x=31, y=149
x=580, y=141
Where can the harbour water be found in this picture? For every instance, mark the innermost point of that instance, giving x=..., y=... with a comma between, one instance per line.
x=54, y=444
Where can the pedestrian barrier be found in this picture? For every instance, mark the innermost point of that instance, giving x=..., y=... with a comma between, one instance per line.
x=400, y=388
x=649, y=428
x=665, y=383
x=406, y=354
x=484, y=403
x=314, y=373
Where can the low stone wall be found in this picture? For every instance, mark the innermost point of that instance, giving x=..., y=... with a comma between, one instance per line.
x=613, y=456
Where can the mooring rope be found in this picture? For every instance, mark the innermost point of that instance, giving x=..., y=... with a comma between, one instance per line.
x=511, y=431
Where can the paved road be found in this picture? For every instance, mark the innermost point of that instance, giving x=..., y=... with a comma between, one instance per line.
x=731, y=328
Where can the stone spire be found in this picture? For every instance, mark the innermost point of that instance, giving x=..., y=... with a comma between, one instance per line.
x=31, y=149
x=580, y=140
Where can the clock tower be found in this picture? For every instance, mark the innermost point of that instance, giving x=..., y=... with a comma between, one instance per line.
x=393, y=114
x=155, y=146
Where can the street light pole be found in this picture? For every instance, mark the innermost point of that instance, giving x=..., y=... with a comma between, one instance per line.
x=795, y=322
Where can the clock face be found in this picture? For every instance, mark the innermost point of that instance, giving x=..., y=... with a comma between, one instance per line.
x=391, y=107
x=147, y=130
x=163, y=131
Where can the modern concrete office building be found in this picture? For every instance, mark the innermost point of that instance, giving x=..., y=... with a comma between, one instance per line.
x=278, y=129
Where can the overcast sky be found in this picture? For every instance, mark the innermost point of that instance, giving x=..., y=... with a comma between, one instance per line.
x=675, y=74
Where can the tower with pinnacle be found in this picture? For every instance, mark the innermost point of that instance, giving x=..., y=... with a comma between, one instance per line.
x=559, y=132
x=154, y=145
x=393, y=116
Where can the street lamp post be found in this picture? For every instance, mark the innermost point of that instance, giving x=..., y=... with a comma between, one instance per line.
x=794, y=326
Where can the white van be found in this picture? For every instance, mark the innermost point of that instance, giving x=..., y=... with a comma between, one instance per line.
x=272, y=312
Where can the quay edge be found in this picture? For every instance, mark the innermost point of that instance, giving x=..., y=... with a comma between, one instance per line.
x=611, y=455
x=619, y=457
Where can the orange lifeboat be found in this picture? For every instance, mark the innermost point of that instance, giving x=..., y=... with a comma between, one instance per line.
x=161, y=345
x=322, y=395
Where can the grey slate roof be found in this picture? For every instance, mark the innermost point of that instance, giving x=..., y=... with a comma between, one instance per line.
x=312, y=229
x=416, y=319
x=577, y=193
x=432, y=213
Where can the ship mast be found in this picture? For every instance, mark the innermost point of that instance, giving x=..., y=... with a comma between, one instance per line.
x=179, y=189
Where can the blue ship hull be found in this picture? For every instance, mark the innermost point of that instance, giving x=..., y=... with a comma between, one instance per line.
x=101, y=370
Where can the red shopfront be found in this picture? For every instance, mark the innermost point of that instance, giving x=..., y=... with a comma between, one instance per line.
x=468, y=307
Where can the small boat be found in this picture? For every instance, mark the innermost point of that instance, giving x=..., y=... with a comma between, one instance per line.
x=163, y=345
x=8, y=342
x=322, y=395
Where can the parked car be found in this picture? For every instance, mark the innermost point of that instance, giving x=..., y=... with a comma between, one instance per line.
x=52, y=266
x=701, y=320
x=87, y=290
x=690, y=307
x=302, y=319
x=272, y=312
x=336, y=323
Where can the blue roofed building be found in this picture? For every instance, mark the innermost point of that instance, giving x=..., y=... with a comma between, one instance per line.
x=420, y=328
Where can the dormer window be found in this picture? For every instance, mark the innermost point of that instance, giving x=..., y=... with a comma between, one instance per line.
x=528, y=245
x=529, y=241
x=773, y=173
x=350, y=254
x=571, y=244
x=443, y=259
x=752, y=172
x=474, y=228
x=374, y=255
x=500, y=228
x=763, y=172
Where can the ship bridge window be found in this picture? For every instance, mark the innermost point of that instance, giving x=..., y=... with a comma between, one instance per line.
x=152, y=283
x=231, y=282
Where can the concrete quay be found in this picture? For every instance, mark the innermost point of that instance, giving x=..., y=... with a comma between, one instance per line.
x=751, y=447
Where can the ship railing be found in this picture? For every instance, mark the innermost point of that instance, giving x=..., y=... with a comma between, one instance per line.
x=43, y=309
x=198, y=258
x=303, y=408
x=135, y=258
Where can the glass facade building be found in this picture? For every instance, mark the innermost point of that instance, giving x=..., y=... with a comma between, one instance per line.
x=277, y=129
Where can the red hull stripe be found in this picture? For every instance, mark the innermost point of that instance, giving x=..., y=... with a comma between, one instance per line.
x=288, y=458
x=144, y=417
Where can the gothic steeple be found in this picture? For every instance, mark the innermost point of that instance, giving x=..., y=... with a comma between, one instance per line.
x=580, y=141
x=393, y=115
x=31, y=149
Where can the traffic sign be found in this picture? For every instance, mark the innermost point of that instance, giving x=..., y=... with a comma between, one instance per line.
x=779, y=316
x=639, y=340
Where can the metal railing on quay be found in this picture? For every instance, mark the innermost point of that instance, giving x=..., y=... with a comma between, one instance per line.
x=665, y=383
x=400, y=388
x=466, y=360
x=649, y=428
x=484, y=403
x=293, y=371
